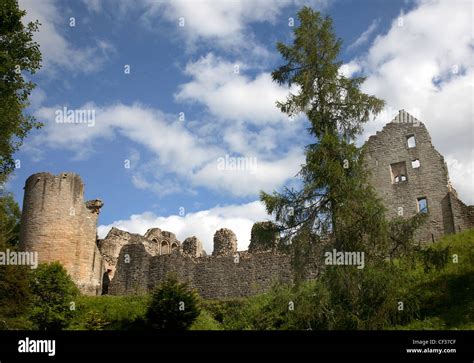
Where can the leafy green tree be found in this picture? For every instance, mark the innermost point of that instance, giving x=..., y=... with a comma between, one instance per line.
x=15, y=293
x=14, y=280
x=54, y=295
x=10, y=216
x=18, y=54
x=173, y=306
x=335, y=203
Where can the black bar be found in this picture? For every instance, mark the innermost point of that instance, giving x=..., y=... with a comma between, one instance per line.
x=137, y=346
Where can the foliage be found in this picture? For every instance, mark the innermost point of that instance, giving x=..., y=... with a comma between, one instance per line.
x=345, y=297
x=335, y=200
x=205, y=321
x=263, y=236
x=18, y=53
x=230, y=313
x=15, y=293
x=444, y=286
x=10, y=216
x=109, y=312
x=173, y=306
x=14, y=280
x=54, y=296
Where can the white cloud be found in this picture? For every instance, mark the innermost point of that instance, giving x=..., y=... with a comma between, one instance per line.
x=232, y=96
x=56, y=50
x=425, y=67
x=181, y=160
x=365, y=36
x=222, y=22
x=202, y=224
x=266, y=175
x=224, y=25
x=350, y=69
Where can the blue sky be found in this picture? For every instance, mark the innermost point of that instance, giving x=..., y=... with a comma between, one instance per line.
x=215, y=70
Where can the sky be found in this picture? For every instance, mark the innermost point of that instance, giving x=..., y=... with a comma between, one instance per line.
x=176, y=92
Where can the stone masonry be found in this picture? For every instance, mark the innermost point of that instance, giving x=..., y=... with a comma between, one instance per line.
x=408, y=174
x=225, y=243
x=411, y=176
x=58, y=225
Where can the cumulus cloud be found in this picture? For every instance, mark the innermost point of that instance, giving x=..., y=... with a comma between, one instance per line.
x=224, y=23
x=426, y=68
x=229, y=94
x=56, y=50
x=180, y=158
x=202, y=224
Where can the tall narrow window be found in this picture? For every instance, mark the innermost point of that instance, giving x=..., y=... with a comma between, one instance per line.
x=411, y=141
x=422, y=205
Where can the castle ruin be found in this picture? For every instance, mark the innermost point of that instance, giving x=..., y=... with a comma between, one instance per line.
x=408, y=174
x=411, y=176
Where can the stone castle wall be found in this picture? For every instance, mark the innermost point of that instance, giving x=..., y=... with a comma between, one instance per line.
x=429, y=179
x=58, y=225
x=240, y=275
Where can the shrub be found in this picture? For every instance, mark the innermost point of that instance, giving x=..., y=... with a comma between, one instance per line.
x=15, y=293
x=53, y=294
x=231, y=313
x=205, y=321
x=173, y=306
x=110, y=312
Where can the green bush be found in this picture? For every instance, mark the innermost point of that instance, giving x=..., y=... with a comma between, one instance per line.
x=230, y=313
x=110, y=312
x=15, y=293
x=205, y=321
x=54, y=295
x=173, y=306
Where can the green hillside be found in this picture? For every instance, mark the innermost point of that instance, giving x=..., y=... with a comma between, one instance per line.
x=447, y=294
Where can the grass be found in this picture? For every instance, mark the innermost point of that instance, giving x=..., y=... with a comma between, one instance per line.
x=447, y=294
x=110, y=312
x=444, y=293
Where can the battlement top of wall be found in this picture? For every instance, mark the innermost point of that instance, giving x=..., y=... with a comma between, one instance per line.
x=405, y=118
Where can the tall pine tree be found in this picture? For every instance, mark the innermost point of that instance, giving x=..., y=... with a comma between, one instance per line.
x=335, y=203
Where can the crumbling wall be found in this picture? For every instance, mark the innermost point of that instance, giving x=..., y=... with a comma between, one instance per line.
x=228, y=276
x=152, y=241
x=463, y=215
x=193, y=247
x=58, y=225
x=227, y=273
x=421, y=172
x=225, y=243
x=112, y=244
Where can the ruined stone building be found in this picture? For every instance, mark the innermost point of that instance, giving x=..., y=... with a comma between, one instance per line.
x=409, y=175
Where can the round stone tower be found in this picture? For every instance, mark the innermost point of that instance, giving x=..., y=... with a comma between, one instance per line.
x=58, y=225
